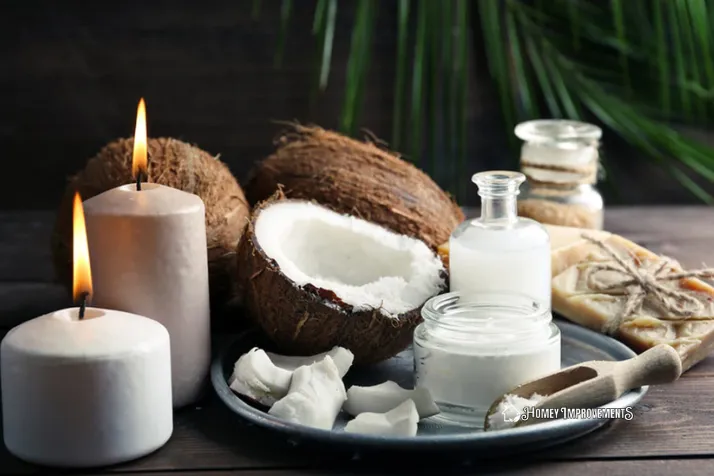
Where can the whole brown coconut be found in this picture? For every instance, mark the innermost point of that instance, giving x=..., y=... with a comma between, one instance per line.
x=175, y=164
x=358, y=178
x=302, y=316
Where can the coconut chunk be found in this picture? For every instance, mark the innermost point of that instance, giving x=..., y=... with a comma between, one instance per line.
x=256, y=377
x=400, y=421
x=386, y=396
x=342, y=357
x=365, y=265
x=315, y=397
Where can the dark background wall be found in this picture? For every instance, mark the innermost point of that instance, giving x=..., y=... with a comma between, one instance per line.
x=71, y=74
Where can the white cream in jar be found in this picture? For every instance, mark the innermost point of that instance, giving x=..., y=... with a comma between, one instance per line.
x=473, y=348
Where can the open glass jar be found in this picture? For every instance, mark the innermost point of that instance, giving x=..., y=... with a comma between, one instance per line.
x=561, y=162
x=471, y=349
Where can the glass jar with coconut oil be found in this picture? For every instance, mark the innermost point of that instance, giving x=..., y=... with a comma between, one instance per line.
x=472, y=348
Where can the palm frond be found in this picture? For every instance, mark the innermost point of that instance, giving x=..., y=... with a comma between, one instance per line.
x=285, y=13
x=418, y=72
x=399, y=82
x=569, y=87
x=636, y=66
x=357, y=65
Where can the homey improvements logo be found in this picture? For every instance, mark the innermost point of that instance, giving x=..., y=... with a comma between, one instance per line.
x=512, y=414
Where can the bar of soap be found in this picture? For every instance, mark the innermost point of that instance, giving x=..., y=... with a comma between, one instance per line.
x=573, y=298
x=565, y=236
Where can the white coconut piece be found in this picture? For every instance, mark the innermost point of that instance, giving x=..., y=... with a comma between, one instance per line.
x=365, y=265
x=400, y=421
x=257, y=378
x=509, y=411
x=315, y=397
x=342, y=358
x=386, y=396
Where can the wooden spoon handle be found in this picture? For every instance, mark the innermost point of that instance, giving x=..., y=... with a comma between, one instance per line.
x=660, y=364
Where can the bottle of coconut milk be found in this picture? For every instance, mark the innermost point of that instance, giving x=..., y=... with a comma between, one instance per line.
x=500, y=251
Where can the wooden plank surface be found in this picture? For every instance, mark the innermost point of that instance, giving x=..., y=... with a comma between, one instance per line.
x=674, y=421
x=657, y=467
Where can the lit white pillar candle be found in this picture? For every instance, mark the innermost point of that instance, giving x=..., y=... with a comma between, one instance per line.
x=86, y=392
x=149, y=257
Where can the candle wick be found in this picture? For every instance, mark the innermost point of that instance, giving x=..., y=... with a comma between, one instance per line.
x=82, y=305
x=138, y=181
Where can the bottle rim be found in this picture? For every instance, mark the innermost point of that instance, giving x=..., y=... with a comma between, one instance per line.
x=474, y=313
x=498, y=183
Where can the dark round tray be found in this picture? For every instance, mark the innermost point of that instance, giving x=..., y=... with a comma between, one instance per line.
x=578, y=345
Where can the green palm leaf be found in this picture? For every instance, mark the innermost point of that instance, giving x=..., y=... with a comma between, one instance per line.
x=639, y=67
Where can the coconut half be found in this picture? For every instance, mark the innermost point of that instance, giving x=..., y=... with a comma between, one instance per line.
x=315, y=279
x=359, y=178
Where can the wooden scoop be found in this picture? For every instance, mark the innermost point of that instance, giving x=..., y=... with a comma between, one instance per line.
x=598, y=382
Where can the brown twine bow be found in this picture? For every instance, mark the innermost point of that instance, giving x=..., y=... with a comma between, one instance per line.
x=641, y=283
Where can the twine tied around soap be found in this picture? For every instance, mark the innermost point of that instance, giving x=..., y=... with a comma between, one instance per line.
x=641, y=283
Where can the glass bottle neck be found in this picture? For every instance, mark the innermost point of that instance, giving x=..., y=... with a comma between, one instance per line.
x=498, y=191
x=502, y=209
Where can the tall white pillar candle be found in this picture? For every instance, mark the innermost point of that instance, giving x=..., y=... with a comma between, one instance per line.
x=83, y=393
x=148, y=251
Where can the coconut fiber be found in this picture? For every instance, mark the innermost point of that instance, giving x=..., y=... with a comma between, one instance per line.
x=358, y=178
x=175, y=164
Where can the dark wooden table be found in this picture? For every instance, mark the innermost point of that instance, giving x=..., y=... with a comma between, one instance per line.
x=672, y=432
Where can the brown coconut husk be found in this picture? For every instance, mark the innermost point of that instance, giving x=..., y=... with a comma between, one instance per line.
x=175, y=164
x=358, y=178
x=299, y=321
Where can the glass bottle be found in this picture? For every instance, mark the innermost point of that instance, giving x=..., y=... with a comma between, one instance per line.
x=500, y=251
x=471, y=349
x=560, y=160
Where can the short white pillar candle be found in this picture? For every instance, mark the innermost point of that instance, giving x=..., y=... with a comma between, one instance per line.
x=86, y=393
x=149, y=257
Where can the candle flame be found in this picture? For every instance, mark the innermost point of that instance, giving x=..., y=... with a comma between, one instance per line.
x=82, y=279
x=139, y=161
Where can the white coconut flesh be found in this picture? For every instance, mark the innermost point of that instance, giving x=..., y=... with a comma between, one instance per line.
x=364, y=264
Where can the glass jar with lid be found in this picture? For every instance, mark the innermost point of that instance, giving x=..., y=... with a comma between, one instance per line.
x=472, y=348
x=561, y=162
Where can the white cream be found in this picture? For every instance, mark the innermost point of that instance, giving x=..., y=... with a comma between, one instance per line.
x=509, y=411
x=84, y=393
x=148, y=256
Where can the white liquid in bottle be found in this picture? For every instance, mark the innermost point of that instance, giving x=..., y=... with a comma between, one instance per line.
x=500, y=252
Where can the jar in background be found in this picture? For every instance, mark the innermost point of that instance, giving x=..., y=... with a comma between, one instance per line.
x=561, y=161
x=472, y=348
